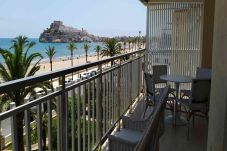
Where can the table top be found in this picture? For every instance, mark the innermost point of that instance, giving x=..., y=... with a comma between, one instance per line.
x=176, y=78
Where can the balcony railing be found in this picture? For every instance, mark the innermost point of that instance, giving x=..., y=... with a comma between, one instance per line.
x=76, y=115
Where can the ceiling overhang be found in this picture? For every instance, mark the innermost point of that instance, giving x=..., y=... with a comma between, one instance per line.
x=144, y=2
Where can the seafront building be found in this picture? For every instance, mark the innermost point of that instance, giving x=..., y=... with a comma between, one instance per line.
x=92, y=114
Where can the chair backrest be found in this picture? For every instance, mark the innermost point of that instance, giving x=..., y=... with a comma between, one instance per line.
x=200, y=90
x=203, y=73
x=159, y=70
x=149, y=83
x=151, y=135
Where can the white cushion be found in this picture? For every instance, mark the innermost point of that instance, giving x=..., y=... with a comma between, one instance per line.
x=129, y=135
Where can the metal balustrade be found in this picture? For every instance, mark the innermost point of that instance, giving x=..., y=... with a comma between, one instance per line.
x=77, y=115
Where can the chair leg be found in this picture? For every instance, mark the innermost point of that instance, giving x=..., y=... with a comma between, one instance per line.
x=193, y=121
x=172, y=110
x=147, y=104
x=188, y=119
x=188, y=130
x=145, y=111
x=157, y=149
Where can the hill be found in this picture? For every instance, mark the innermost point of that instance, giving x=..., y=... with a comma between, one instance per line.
x=59, y=33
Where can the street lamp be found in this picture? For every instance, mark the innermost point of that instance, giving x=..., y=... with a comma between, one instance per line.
x=139, y=44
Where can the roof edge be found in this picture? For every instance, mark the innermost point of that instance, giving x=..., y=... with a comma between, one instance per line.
x=145, y=2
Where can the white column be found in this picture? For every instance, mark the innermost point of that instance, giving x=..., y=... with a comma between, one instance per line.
x=217, y=132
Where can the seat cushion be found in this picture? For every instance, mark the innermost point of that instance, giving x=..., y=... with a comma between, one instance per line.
x=129, y=135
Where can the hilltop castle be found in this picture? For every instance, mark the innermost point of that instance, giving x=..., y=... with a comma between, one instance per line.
x=57, y=32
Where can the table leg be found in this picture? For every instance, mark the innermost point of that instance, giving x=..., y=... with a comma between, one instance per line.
x=177, y=86
x=177, y=118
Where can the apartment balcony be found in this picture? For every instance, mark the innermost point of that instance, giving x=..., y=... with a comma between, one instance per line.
x=79, y=115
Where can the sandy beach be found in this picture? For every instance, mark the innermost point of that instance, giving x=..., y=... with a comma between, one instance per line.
x=65, y=62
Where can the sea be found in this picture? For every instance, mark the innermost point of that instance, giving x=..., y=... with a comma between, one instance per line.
x=61, y=48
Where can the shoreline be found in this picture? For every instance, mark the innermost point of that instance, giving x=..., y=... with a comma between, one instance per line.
x=65, y=62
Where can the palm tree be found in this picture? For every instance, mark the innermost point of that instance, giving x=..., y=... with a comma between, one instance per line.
x=71, y=47
x=144, y=42
x=50, y=53
x=98, y=49
x=111, y=48
x=129, y=45
x=119, y=46
x=134, y=43
x=124, y=46
x=86, y=48
x=18, y=64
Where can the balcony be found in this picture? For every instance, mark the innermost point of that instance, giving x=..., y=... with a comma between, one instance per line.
x=80, y=115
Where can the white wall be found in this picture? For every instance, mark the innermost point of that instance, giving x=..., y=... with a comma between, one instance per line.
x=217, y=139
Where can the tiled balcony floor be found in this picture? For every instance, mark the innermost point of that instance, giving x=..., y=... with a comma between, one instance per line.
x=175, y=139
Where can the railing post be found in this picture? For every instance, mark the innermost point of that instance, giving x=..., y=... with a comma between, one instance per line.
x=130, y=86
x=99, y=105
x=143, y=71
x=119, y=95
x=49, y=125
x=14, y=129
x=139, y=75
x=73, y=95
x=27, y=127
x=58, y=120
x=39, y=127
x=63, y=115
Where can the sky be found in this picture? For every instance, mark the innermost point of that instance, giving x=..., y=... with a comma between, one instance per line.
x=100, y=17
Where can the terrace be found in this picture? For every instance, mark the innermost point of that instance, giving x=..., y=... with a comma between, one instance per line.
x=81, y=115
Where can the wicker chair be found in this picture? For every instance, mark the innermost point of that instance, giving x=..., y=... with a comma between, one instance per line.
x=150, y=139
x=198, y=100
x=133, y=130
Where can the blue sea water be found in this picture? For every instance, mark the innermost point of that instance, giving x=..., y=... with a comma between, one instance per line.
x=61, y=49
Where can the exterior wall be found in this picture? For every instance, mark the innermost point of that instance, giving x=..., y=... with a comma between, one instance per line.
x=208, y=27
x=217, y=135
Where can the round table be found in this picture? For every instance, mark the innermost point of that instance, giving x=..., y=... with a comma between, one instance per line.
x=177, y=79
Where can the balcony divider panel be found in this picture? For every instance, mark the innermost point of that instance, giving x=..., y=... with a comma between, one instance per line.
x=174, y=35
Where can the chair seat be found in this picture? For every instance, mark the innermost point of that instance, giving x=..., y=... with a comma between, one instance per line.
x=130, y=136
